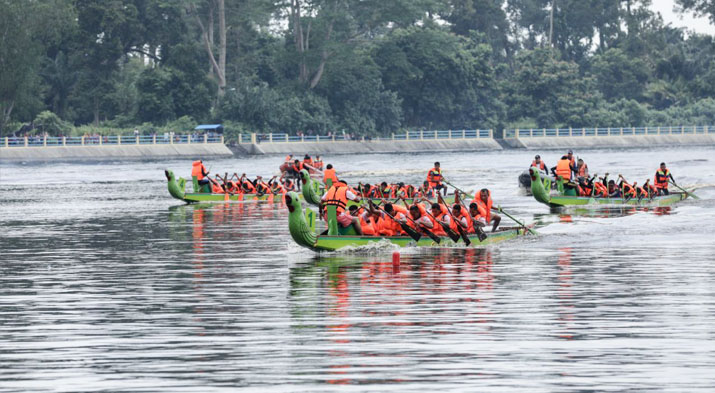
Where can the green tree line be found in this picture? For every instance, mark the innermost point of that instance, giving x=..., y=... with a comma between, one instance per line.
x=366, y=67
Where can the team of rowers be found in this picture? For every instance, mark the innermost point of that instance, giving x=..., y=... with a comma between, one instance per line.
x=422, y=215
x=575, y=173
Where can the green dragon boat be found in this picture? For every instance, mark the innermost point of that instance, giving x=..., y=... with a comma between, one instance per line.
x=177, y=189
x=565, y=197
x=303, y=232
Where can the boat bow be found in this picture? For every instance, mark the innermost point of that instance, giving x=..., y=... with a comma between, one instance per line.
x=299, y=228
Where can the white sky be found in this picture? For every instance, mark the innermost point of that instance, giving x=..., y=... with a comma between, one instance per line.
x=666, y=8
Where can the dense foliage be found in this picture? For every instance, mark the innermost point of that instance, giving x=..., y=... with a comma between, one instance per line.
x=364, y=67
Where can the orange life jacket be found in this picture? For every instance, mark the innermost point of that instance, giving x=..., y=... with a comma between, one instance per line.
x=485, y=209
x=329, y=174
x=263, y=188
x=248, y=187
x=601, y=190
x=198, y=169
x=628, y=190
x=563, y=169
x=541, y=165
x=582, y=170
x=216, y=189
x=297, y=167
x=434, y=176
x=386, y=193
x=661, y=179
x=308, y=162
x=337, y=196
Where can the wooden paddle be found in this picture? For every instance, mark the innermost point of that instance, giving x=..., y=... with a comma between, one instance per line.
x=452, y=234
x=426, y=230
x=458, y=224
x=683, y=190
x=411, y=232
x=533, y=232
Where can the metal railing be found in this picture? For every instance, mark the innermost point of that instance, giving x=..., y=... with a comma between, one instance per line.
x=407, y=136
x=109, y=140
x=609, y=131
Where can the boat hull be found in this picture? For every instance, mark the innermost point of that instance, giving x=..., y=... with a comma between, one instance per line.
x=332, y=243
x=544, y=196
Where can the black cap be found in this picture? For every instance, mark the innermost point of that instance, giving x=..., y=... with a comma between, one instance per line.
x=570, y=151
x=537, y=156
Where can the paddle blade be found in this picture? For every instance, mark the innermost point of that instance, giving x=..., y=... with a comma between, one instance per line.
x=432, y=236
x=464, y=235
x=480, y=233
x=452, y=234
x=411, y=232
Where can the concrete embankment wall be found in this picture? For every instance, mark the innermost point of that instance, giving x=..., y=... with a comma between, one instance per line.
x=584, y=142
x=349, y=147
x=123, y=152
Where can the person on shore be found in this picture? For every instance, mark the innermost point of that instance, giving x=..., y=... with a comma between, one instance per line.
x=539, y=164
x=435, y=178
x=662, y=175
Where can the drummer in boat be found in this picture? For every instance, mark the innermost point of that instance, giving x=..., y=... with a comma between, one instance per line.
x=581, y=169
x=662, y=176
x=199, y=170
x=539, y=164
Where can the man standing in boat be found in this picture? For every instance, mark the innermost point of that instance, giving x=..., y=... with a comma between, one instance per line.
x=662, y=175
x=540, y=164
x=434, y=178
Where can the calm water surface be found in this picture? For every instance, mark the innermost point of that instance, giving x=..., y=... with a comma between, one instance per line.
x=108, y=284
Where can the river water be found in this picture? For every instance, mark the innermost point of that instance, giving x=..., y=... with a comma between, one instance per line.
x=109, y=284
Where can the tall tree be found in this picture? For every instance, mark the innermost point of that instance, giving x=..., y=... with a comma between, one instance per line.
x=700, y=7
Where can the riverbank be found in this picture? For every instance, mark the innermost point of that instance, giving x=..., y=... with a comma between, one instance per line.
x=585, y=142
x=111, y=153
x=374, y=146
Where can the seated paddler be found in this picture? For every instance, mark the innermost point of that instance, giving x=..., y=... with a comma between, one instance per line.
x=199, y=171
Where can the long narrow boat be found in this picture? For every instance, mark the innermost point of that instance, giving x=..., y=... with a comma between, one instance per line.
x=177, y=189
x=302, y=230
x=558, y=199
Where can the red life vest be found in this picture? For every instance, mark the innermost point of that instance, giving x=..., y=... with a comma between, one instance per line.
x=563, y=169
x=541, y=165
x=485, y=209
x=198, y=169
x=434, y=176
x=337, y=196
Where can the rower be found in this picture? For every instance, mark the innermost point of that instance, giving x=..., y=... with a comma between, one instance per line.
x=338, y=196
x=329, y=174
x=384, y=191
x=199, y=171
x=261, y=186
x=484, y=202
x=365, y=218
x=419, y=219
x=461, y=218
x=662, y=175
x=289, y=158
x=434, y=177
x=388, y=226
x=318, y=162
x=539, y=164
x=613, y=190
x=477, y=214
x=627, y=190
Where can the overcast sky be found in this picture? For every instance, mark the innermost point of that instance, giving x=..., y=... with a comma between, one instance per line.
x=666, y=8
